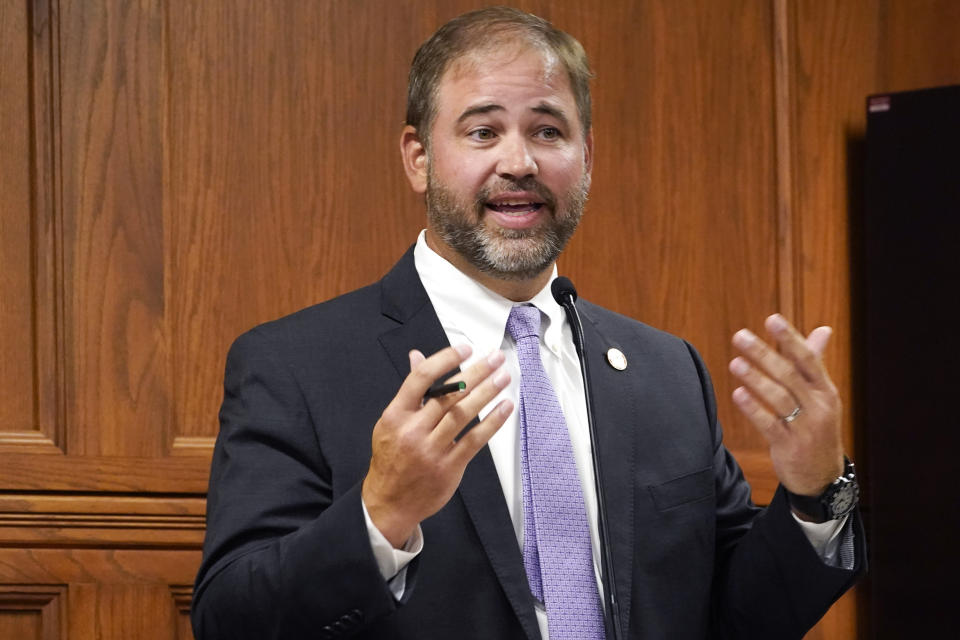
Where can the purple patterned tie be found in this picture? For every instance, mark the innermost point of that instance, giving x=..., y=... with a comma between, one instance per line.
x=556, y=537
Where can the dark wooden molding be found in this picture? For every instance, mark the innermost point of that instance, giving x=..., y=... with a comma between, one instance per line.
x=179, y=475
x=31, y=520
x=46, y=601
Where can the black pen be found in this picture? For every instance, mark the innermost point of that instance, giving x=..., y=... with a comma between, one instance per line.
x=444, y=389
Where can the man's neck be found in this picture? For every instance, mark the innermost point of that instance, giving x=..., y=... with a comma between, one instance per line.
x=519, y=290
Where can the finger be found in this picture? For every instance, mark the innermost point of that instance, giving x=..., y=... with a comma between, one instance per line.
x=435, y=408
x=460, y=414
x=425, y=373
x=774, y=365
x=818, y=339
x=795, y=348
x=475, y=439
x=762, y=388
x=769, y=425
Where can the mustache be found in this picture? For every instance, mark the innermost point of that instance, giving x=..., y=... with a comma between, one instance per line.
x=528, y=184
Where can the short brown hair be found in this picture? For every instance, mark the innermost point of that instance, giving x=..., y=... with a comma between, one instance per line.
x=482, y=29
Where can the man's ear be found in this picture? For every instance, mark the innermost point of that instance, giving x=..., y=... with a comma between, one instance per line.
x=588, y=151
x=414, y=159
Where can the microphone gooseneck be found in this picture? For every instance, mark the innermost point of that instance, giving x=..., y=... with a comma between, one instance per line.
x=566, y=295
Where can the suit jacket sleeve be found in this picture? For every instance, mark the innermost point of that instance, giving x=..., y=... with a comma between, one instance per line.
x=272, y=519
x=769, y=581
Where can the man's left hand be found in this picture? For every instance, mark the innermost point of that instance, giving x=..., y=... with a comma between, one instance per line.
x=791, y=400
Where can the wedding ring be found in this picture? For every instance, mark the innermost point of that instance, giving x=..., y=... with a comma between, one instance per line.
x=793, y=415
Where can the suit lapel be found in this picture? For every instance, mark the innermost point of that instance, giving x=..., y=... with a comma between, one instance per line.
x=613, y=413
x=483, y=497
x=404, y=299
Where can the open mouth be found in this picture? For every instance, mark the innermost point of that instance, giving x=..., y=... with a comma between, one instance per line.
x=517, y=212
x=516, y=208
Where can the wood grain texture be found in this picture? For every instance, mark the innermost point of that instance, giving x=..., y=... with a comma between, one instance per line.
x=101, y=521
x=109, y=594
x=182, y=596
x=118, y=376
x=27, y=625
x=156, y=613
x=17, y=389
x=83, y=611
x=115, y=474
x=30, y=398
x=113, y=611
x=43, y=566
x=28, y=612
x=919, y=46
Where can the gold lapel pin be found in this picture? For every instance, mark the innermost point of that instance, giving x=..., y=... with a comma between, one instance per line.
x=616, y=359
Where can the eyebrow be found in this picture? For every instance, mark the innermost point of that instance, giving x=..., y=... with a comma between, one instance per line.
x=479, y=109
x=489, y=107
x=546, y=109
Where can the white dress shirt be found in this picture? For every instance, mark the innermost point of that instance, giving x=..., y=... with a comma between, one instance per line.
x=472, y=314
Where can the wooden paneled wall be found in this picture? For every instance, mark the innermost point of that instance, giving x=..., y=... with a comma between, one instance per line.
x=173, y=172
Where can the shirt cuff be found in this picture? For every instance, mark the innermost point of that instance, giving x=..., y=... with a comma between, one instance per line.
x=392, y=562
x=824, y=536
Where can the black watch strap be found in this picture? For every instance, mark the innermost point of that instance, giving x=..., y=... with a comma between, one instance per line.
x=837, y=500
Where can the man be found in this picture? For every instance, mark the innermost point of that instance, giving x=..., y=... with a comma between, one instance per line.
x=347, y=501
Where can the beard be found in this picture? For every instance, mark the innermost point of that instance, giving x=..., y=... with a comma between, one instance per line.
x=506, y=254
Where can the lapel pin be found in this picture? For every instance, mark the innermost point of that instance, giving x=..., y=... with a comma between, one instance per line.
x=616, y=359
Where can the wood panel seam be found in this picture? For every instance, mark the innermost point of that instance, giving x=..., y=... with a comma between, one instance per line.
x=789, y=284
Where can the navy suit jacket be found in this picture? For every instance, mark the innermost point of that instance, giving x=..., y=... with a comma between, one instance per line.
x=287, y=553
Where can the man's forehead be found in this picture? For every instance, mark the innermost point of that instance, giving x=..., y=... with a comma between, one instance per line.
x=489, y=60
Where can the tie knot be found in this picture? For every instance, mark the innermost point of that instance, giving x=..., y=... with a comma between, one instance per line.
x=524, y=321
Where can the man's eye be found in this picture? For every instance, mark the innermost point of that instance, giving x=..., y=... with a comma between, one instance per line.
x=550, y=133
x=482, y=134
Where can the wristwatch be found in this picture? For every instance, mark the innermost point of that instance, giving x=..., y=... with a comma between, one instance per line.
x=837, y=500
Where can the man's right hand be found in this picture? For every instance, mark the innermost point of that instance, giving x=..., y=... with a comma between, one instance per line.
x=416, y=464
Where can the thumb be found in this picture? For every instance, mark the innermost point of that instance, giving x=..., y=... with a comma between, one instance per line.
x=416, y=357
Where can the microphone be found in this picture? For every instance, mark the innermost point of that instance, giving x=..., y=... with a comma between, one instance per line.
x=566, y=295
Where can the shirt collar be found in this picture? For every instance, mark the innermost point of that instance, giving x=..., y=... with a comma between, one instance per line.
x=464, y=305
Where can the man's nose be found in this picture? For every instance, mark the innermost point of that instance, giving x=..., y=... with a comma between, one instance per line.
x=517, y=160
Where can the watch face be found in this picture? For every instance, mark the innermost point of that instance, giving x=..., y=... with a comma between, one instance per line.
x=844, y=500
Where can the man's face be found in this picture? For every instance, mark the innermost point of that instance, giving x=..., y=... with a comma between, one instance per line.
x=508, y=168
